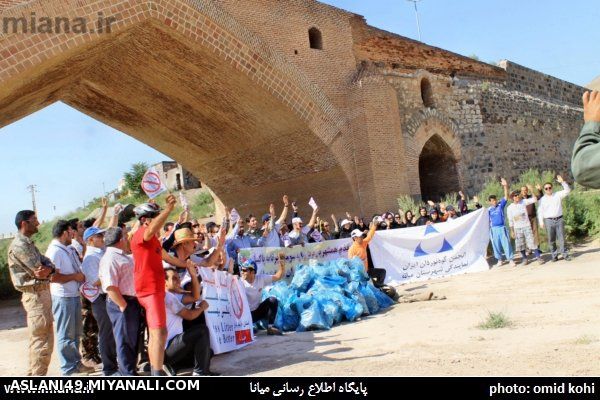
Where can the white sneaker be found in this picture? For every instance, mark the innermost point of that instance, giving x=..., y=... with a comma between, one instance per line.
x=512, y=263
x=498, y=264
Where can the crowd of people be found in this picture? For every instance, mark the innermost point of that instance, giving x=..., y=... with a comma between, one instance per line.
x=127, y=280
x=109, y=285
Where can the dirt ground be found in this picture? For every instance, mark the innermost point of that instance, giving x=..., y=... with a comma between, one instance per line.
x=554, y=310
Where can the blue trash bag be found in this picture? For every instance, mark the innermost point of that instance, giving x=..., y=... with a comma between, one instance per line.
x=383, y=299
x=328, y=283
x=351, y=288
x=347, y=308
x=290, y=318
x=357, y=271
x=303, y=278
x=343, y=268
x=355, y=295
x=301, y=302
x=313, y=318
x=322, y=270
x=351, y=308
x=279, y=290
x=370, y=298
x=331, y=309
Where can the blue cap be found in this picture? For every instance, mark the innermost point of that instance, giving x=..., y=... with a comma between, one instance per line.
x=91, y=231
x=249, y=264
x=266, y=217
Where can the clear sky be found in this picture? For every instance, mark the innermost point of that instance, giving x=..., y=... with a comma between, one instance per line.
x=69, y=155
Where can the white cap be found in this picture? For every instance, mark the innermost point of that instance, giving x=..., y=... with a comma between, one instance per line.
x=296, y=220
x=346, y=221
x=356, y=233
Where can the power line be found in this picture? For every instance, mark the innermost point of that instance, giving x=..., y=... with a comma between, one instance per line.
x=32, y=189
x=417, y=16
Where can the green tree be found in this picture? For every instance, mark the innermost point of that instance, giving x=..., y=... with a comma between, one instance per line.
x=133, y=178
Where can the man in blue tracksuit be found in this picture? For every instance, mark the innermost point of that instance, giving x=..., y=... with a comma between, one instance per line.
x=498, y=231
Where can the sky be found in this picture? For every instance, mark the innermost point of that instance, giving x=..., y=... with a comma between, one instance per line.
x=72, y=158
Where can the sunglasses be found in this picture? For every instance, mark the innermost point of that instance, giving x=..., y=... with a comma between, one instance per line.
x=548, y=188
x=195, y=226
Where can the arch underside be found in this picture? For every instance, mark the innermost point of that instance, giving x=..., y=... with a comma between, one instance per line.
x=438, y=170
x=187, y=102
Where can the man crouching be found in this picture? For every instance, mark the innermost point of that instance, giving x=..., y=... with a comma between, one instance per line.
x=192, y=345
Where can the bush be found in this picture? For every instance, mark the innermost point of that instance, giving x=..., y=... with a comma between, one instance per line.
x=407, y=203
x=202, y=206
x=495, y=321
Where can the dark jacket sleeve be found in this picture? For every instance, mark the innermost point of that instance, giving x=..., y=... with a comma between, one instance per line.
x=585, y=163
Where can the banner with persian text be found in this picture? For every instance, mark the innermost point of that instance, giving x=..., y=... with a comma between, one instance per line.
x=433, y=251
x=266, y=257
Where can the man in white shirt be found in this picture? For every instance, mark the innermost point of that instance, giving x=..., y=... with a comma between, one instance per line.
x=122, y=307
x=520, y=227
x=253, y=285
x=92, y=290
x=550, y=216
x=192, y=346
x=66, y=304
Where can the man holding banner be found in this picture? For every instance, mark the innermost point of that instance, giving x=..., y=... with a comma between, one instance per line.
x=193, y=343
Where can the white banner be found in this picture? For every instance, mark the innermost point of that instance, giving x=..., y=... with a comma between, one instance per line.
x=228, y=316
x=152, y=184
x=433, y=251
x=266, y=257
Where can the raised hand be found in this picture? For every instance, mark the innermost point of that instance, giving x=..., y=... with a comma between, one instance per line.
x=272, y=209
x=104, y=202
x=431, y=203
x=286, y=200
x=591, y=106
x=503, y=182
x=559, y=179
x=171, y=201
x=117, y=209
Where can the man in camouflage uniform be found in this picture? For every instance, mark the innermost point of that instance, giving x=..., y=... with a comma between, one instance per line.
x=89, y=340
x=30, y=272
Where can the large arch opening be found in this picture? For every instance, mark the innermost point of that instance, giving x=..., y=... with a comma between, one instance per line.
x=438, y=172
x=249, y=130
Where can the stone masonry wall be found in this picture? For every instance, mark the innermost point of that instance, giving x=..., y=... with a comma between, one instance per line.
x=525, y=132
x=492, y=130
x=535, y=83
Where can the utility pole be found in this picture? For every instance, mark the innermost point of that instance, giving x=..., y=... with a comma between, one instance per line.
x=31, y=188
x=417, y=15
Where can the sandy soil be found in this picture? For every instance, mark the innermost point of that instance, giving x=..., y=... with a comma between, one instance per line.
x=554, y=309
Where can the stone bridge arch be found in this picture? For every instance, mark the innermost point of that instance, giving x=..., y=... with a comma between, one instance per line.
x=433, y=155
x=186, y=78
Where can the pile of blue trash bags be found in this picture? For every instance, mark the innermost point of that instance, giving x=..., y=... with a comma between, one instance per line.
x=322, y=295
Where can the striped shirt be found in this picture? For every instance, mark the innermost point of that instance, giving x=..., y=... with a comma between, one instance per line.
x=116, y=269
